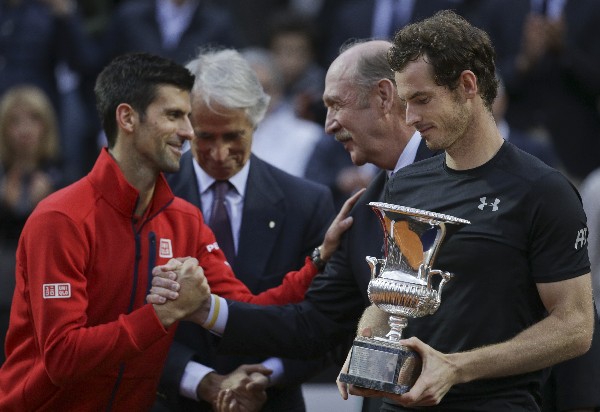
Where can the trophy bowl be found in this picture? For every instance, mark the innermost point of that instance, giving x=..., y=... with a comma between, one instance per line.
x=404, y=288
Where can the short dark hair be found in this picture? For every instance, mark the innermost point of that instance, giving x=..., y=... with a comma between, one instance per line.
x=450, y=44
x=133, y=78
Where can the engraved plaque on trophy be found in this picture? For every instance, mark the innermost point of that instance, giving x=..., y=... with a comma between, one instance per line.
x=403, y=288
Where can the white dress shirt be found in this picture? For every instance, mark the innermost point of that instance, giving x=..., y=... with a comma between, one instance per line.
x=234, y=200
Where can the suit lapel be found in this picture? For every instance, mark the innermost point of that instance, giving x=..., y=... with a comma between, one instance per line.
x=184, y=183
x=262, y=221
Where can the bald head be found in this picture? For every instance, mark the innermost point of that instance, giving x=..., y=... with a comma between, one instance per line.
x=364, y=48
x=364, y=63
x=364, y=112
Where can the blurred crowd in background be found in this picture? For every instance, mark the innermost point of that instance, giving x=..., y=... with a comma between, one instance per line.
x=548, y=56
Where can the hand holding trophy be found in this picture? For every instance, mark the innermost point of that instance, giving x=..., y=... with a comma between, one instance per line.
x=403, y=288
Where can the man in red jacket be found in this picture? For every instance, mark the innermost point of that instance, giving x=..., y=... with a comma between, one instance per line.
x=81, y=337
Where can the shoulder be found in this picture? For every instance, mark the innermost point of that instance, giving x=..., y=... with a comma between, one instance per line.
x=421, y=167
x=527, y=167
x=182, y=206
x=76, y=199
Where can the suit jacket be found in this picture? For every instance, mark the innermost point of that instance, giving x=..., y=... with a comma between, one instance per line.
x=333, y=303
x=283, y=219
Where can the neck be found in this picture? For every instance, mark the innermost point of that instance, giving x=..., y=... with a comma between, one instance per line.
x=137, y=176
x=477, y=146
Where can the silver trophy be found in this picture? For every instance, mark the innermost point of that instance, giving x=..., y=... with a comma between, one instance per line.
x=404, y=289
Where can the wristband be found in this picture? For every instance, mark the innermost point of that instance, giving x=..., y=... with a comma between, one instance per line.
x=215, y=304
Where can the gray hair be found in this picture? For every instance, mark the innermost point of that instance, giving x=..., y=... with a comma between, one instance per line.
x=224, y=77
x=370, y=68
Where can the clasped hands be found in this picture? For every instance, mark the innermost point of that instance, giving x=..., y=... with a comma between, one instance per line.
x=243, y=390
x=179, y=291
x=181, y=284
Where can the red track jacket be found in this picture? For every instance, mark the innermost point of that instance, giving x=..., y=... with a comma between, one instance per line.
x=81, y=337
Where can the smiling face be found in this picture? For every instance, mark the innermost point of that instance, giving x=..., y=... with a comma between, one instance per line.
x=439, y=114
x=222, y=140
x=352, y=116
x=163, y=130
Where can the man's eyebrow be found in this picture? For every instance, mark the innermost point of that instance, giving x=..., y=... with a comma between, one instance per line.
x=417, y=94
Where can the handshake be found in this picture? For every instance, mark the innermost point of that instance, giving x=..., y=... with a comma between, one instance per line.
x=180, y=291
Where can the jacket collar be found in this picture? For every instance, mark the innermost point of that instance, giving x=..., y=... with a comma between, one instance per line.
x=108, y=179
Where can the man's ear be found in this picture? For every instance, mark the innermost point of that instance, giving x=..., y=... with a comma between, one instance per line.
x=127, y=117
x=387, y=93
x=468, y=80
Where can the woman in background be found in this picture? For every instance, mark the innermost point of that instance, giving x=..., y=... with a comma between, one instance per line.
x=29, y=154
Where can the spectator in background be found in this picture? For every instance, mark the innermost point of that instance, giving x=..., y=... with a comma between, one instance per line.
x=35, y=36
x=249, y=17
x=29, y=171
x=531, y=143
x=169, y=28
x=282, y=138
x=37, y=39
x=378, y=19
x=292, y=40
x=548, y=58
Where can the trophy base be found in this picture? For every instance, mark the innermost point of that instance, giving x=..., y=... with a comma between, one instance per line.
x=382, y=365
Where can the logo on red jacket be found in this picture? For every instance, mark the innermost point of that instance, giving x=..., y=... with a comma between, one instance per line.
x=164, y=249
x=56, y=290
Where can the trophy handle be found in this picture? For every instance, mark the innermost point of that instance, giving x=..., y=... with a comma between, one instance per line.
x=446, y=276
x=372, y=261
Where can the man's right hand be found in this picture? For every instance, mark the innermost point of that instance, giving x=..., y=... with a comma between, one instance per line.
x=241, y=390
x=193, y=293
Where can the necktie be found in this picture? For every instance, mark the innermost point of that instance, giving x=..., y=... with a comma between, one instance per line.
x=219, y=219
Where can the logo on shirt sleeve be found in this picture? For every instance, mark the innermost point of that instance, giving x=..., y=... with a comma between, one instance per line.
x=56, y=290
x=581, y=240
x=164, y=248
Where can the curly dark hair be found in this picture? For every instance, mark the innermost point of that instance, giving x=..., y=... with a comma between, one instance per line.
x=451, y=45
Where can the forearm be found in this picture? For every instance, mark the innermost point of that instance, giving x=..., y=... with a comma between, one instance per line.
x=374, y=319
x=560, y=336
x=292, y=331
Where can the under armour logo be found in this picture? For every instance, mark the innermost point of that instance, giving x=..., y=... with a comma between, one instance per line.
x=581, y=240
x=483, y=204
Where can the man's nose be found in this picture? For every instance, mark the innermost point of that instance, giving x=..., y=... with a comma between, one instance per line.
x=331, y=124
x=220, y=151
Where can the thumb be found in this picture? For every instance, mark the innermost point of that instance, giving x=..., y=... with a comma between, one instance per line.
x=367, y=332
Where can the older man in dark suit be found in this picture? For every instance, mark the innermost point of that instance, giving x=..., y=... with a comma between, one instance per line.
x=275, y=220
x=367, y=117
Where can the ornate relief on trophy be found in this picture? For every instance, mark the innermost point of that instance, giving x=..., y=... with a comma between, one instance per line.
x=403, y=287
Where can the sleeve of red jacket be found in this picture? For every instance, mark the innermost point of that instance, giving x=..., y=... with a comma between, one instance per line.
x=54, y=250
x=223, y=282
